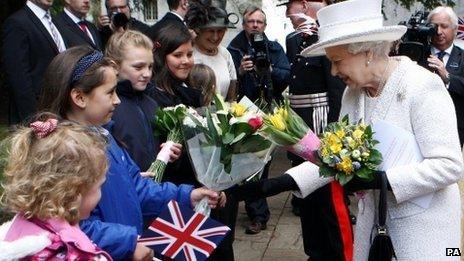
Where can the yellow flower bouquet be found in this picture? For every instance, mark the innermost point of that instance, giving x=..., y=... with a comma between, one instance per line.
x=348, y=150
x=286, y=128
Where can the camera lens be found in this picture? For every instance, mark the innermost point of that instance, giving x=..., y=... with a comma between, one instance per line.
x=119, y=19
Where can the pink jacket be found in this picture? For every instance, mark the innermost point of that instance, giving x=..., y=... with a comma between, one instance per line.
x=66, y=242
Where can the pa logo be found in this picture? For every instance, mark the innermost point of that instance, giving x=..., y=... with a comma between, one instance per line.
x=453, y=251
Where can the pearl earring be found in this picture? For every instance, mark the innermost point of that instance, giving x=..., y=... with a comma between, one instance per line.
x=368, y=62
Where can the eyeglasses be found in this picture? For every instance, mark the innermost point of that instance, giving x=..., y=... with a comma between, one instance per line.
x=259, y=22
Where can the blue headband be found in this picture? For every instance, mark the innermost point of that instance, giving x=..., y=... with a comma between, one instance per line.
x=84, y=63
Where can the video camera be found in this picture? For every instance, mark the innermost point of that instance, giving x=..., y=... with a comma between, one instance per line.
x=416, y=42
x=260, y=55
x=119, y=19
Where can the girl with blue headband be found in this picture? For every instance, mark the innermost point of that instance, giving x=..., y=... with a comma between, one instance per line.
x=80, y=85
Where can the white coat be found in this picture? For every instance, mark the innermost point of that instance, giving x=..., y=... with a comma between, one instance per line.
x=416, y=100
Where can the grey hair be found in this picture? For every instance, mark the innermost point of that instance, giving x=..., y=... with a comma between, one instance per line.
x=251, y=9
x=378, y=48
x=449, y=11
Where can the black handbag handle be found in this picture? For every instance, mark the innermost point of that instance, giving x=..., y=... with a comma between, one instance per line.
x=383, y=199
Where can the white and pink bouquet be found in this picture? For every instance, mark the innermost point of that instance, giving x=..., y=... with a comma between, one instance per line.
x=224, y=146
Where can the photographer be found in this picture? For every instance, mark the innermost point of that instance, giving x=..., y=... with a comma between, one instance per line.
x=117, y=19
x=447, y=59
x=242, y=51
x=267, y=74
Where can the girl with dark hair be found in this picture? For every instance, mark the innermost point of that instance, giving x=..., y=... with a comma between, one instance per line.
x=173, y=60
x=81, y=87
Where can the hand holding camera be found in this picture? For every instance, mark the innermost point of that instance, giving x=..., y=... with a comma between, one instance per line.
x=246, y=64
x=117, y=21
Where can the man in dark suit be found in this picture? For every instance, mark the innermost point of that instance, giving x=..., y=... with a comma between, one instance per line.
x=31, y=39
x=315, y=95
x=447, y=60
x=77, y=30
x=176, y=15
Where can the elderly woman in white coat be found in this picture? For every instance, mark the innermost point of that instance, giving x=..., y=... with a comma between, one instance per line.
x=398, y=91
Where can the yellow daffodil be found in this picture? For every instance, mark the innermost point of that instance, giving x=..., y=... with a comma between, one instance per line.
x=357, y=134
x=237, y=109
x=335, y=148
x=277, y=121
x=340, y=133
x=283, y=112
x=333, y=138
x=345, y=165
x=324, y=152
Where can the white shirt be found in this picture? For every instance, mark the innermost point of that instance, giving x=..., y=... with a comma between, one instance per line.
x=40, y=13
x=76, y=20
x=222, y=65
x=435, y=51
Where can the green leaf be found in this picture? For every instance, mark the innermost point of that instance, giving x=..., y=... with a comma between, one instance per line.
x=343, y=179
x=365, y=173
x=212, y=128
x=326, y=171
x=227, y=138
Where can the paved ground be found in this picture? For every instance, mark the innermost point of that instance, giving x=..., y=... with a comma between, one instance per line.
x=282, y=239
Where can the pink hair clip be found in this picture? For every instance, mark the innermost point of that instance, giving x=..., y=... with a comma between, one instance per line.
x=43, y=128
x=156, y=45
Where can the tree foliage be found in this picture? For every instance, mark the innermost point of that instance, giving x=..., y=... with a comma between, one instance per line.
x=428, y=4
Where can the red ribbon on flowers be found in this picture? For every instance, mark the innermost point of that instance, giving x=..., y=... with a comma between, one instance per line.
x=43, y=128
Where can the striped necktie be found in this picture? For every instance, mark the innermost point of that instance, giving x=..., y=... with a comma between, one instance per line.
x=54, y=31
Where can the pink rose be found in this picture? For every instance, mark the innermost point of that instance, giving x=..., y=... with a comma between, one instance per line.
x=255, y=123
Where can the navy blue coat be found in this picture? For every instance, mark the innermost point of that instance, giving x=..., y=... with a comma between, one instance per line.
x=127, y=201
x=133, y=127
x=247, y=83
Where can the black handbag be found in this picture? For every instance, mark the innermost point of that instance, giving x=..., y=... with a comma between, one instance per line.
x=382, y=247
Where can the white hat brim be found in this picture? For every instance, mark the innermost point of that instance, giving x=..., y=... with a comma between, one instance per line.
x=386, y=33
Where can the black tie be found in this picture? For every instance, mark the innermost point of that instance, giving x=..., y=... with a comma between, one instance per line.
x=440, y=55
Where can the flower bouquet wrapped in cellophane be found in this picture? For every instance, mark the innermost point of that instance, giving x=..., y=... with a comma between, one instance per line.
x=168, y=121
x=286, y=128
x=348, y=150
x=224, y=146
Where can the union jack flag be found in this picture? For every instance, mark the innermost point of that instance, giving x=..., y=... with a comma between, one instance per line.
x=182, y=234
x=460, y=34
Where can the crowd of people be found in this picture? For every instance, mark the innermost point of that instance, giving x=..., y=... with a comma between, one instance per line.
x=83, y=98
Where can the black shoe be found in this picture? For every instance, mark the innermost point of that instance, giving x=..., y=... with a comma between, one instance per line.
x=255, y=227
x=296, y=211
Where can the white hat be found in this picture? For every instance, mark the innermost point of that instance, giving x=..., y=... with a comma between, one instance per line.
x=352, y=21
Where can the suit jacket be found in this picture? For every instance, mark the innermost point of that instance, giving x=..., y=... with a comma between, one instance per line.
x=73, y=34
x=168, y=18
x=455, y=67
x=27, y=50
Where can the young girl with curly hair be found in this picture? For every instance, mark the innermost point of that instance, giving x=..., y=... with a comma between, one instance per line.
x=52, y=181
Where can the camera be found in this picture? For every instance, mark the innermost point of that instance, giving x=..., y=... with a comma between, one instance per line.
x=119, y=19
x=260, y=55
x=416, y=42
